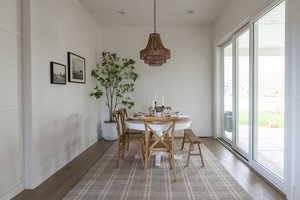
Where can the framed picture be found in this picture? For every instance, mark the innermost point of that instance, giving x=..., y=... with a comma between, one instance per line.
x=76, y=66
x=58, y=74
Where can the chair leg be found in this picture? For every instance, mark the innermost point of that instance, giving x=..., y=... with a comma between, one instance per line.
x=128, y=143
x=189, y=155
x=174, y=166
x=143, y=150
x=123, y=151
x=146, y=162
x=201, y=155
x=170, y=160
x=140, y=146
x=118, y=156
x=183, y=141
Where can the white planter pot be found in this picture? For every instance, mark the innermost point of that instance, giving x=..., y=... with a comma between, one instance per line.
x=109, y=131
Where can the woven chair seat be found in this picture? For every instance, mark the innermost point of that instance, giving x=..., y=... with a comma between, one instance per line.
x=134, y=136
x=134, y=132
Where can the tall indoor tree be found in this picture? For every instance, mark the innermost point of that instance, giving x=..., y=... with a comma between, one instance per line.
x=116, y=78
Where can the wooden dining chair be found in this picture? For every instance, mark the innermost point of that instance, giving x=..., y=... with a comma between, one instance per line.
x=128, y=132
x=161, y=142
x=124, y=112
x=124, y=137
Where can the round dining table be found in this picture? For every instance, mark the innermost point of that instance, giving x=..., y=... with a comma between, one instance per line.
x=182, y=122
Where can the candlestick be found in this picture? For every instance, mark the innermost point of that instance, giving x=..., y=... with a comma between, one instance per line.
x=163, y=101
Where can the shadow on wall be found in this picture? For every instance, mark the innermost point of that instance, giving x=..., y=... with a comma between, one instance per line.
x=61, y=141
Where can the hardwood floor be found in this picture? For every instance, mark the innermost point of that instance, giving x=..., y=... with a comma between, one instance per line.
x=56, y=187
x=252, y=182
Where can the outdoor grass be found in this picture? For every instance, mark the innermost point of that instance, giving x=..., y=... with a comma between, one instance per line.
x=265, y=119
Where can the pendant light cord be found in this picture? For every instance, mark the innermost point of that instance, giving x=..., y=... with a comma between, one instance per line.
x=154, y=16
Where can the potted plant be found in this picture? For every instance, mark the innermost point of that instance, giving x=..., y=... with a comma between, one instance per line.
x=115, y=79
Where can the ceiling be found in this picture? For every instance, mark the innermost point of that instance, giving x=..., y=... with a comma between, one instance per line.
x=140, y=12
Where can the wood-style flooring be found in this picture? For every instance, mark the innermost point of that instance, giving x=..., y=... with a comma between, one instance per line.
x=250, y=180
x=57, y=186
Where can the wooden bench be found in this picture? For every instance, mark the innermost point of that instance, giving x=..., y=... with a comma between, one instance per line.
x=190, y=137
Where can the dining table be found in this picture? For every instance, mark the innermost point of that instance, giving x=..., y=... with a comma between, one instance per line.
x=182, y=122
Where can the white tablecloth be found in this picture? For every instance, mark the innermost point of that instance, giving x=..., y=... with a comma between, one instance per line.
x=181, y=124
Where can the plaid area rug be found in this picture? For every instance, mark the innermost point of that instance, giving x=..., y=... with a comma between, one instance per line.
x=105, y=181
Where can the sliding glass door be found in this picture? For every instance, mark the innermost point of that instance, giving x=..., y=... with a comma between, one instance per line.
x=253, y=63
x=236, y=92
x=269, y=48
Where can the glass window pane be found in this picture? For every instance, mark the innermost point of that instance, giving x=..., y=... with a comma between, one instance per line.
x=270, y=49
x=228, y=90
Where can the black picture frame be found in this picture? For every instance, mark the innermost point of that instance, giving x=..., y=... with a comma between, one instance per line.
x=55, y=78
x=80, y=75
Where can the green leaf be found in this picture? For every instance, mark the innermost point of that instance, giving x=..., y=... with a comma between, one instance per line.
x=117, y=77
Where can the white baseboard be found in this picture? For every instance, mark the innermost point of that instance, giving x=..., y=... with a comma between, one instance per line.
x=13, y=191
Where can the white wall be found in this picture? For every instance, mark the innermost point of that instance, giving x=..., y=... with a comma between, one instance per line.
x=185, y=80
x=11, y=148
x=64, y=118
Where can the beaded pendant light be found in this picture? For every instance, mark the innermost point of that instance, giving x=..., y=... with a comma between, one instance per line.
x=155, y=54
